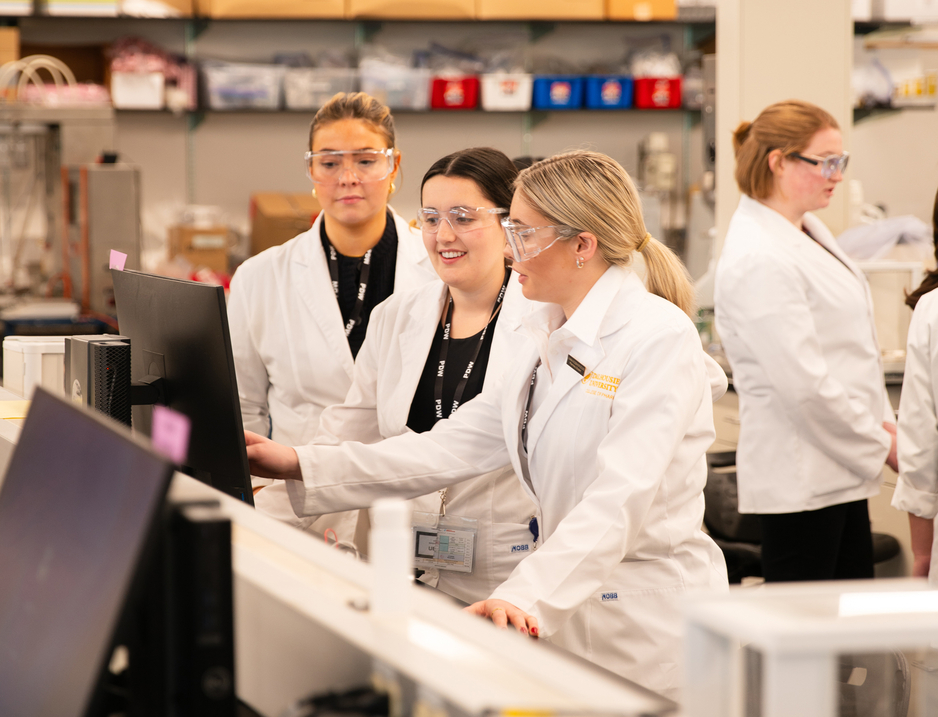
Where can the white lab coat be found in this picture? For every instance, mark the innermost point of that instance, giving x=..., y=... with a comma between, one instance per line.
x=917, y=485
x=387, y=371
x=291, y=354
x=617, y=469
x=797, y=326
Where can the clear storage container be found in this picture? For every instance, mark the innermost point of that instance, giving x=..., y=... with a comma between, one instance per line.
x=405, y=88
x=306, y=88
x=236, y=85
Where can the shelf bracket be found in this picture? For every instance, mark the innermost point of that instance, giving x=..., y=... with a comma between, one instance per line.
x=538, y=29
x=194, y=28
x=365, y=32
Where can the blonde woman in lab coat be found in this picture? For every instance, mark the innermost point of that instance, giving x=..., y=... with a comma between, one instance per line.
x=795, y=317
x=296, y=320
x=463, y=322
x=604, y=410
x=917, y=486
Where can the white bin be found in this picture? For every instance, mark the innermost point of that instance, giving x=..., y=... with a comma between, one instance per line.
x=506, y=92
x=30, y=361
x=308, y=88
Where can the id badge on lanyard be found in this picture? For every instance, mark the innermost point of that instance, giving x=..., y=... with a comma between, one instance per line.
x=444, y=542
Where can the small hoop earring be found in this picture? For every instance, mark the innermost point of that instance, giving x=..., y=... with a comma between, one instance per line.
x=391, y=189
x=579, y=262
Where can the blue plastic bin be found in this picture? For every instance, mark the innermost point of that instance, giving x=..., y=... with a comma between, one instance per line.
x=558, y=92
x=608, y=92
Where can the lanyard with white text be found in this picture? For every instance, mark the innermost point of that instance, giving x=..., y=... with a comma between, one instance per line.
x=527, y=407
x=441, y=369
x=355, y=318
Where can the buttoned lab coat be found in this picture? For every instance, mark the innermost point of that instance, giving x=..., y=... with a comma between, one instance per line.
x=917, y=485
x=617, y=469
x=387, y=371
x=291, y=354
x=796, y=321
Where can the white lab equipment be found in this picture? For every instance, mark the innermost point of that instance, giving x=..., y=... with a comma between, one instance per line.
x=30, y=361
x=801, y=633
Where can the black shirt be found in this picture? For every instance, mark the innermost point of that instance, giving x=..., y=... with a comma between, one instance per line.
x=422, y=415
x=380, y=280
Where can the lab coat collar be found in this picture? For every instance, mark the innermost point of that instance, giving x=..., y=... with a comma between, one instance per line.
x=592, y=319
x=606, y=308
x=781, y=227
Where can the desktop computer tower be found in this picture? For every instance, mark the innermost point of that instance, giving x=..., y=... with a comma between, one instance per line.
x=97, y=374
x=178, y=625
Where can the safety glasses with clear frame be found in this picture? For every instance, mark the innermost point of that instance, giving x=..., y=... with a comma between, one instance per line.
x=525, y=241
x=829, y=165
x=367, y=165
x=461, y=220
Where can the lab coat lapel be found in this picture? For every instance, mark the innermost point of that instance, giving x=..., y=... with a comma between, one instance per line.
x=412, y=267
x=414, y=344
x=593, y=320
x=315, y=286
x=517, y=385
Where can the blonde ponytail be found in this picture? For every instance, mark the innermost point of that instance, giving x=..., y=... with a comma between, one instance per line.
x=591, y=192
x=666, y=276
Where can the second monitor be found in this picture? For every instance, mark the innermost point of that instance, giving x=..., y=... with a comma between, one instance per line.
x=178, y=332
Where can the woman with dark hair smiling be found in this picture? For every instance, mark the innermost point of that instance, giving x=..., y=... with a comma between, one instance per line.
x=429, y=350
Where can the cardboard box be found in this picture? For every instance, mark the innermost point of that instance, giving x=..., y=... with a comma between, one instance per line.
x=333, y=9
x=539, y=9
x=415, y=9
x=201, y=246
x=643, y=10
x=276, y=218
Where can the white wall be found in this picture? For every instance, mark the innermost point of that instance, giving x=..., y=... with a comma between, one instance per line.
x=773, y=51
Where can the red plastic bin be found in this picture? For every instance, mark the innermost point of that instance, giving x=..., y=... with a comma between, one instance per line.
x=657, y=92
x=454, y=93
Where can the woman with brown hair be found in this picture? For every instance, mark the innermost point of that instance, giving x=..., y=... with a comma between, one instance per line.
x=604, y=411
x=298, y=312
x=795, y=317
x=917, y=486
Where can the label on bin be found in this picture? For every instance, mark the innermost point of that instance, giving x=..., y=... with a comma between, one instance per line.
x=661, y=95
x=611, y=92
x=454, y=94
x=560, y=92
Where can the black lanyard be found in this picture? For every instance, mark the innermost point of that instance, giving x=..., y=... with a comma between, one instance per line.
x=355, y=318
x=527, y=408
x=461, y=386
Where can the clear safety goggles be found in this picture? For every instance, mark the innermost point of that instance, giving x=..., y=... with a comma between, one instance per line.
x=461, y=220
x=366, y=165
x=829, y=165
x=527, y=242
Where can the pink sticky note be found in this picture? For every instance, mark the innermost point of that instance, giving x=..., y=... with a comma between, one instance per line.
x=117, y=260
x=170, y=434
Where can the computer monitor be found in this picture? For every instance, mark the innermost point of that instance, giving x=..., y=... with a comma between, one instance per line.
x=178, y=331
x=79, y=500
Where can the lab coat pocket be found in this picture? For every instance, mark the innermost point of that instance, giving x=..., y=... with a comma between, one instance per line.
x=637, y=633
x=511, y=543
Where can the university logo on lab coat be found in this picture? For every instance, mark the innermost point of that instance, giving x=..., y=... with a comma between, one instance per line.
x=598, y=384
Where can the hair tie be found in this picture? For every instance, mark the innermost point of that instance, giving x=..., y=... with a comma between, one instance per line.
x=644, y=242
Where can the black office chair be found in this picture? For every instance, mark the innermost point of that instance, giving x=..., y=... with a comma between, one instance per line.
x=739, y=535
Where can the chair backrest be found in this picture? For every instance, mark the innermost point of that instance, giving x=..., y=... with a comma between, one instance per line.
x=721, y=512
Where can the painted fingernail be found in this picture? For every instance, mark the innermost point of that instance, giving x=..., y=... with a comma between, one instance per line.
x=534, y=631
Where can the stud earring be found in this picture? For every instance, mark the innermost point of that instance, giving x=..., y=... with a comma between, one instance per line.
x=579, y=262
x=314, y=192
x=391, y=189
